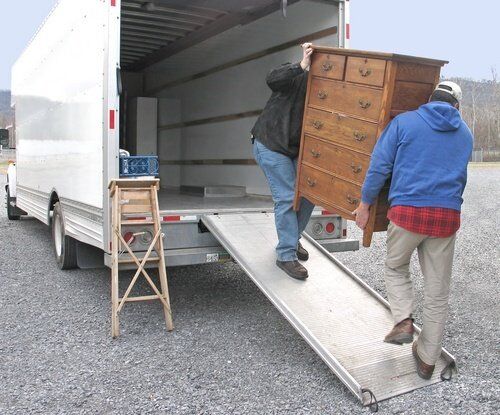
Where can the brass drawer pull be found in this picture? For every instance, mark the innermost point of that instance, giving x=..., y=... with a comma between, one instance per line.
x=356, y=169
x=352, y=200
x=327, y=66
x=317, y=124
x=365, y=72
x=315, y=153
x=311, y=182
x=359, y=136
x=364, y=104
x=322, y=94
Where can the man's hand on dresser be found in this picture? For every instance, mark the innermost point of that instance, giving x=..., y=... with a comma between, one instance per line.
x=307, y=51
x=362, y=214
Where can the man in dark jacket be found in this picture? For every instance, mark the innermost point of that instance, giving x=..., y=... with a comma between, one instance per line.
x=425, y=152
x=276, y=141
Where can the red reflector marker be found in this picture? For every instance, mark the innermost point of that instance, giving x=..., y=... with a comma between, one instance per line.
x=171, y=218
x=326, y=212
x=111, y=119
x=113, y=3
x=330, y=227
x=344, y=232
x=347, y=31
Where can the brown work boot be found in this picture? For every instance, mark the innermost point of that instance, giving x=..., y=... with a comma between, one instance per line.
x=401, y=333
x=294, y=269
x=302, y=254
x=424, y=370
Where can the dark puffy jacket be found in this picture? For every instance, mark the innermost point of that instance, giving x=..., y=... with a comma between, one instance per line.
x=280, y=124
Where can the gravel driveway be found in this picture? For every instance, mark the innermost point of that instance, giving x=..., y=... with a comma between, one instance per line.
x=231, y=352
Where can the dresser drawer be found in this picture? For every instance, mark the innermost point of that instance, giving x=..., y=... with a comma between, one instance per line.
x=315, y=183
x=344, y=97
x=345, y=195
x=328, y=66
x=337, y=160
x=339, y=128
x=319, y=153
x=365, y=71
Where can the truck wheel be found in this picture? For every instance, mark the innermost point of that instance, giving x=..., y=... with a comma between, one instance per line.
x=10, y=209
x=64, y=246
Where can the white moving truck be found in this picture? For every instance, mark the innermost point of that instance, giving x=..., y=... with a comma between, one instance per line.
x=184, y=80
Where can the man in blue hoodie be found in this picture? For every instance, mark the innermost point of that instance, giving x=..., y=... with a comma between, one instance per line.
x=425, y=154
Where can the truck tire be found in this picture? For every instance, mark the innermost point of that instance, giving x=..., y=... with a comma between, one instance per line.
x=64, y=245
x=10, y=209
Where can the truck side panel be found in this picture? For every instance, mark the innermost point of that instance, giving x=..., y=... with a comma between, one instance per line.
x=58, y=92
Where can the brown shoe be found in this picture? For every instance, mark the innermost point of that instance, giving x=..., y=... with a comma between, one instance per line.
x=302, y=254
x=294, y=269
x=424, y=370
x=401, y=333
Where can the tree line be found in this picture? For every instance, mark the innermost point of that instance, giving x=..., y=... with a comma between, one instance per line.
x=480, y=109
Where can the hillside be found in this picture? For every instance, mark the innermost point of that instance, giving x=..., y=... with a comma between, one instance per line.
x=480, y=109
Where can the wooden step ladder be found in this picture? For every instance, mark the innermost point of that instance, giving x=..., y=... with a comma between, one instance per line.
x=132, y=198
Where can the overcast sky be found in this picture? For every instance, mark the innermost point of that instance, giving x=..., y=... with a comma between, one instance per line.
x=464, y=32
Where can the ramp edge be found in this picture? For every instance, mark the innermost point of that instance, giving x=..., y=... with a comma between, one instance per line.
x=334, y=365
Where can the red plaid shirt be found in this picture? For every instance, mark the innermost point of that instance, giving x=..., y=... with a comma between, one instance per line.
x=431, y=221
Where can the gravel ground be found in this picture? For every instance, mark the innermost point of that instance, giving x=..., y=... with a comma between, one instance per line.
x=231, y=352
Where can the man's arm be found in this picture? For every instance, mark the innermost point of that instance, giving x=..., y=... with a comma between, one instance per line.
x=380, y=169
x=281, y=78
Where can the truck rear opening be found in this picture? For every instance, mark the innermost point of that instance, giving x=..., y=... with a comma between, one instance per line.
x=192, y=92
x=195, y=106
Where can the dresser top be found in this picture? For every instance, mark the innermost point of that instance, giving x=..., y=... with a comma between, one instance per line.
x=380, y=55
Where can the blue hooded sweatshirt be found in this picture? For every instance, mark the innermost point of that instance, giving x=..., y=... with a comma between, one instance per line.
x=426, y=152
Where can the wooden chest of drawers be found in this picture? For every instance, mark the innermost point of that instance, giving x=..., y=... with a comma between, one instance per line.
x=351, y=96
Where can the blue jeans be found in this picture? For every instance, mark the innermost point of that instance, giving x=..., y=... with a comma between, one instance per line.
x=281, y=172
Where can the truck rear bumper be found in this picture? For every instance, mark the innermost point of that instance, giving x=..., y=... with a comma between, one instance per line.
x=211, y=254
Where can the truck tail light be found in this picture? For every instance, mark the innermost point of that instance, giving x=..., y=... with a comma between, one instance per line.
x=129, y=237
x=330, y=227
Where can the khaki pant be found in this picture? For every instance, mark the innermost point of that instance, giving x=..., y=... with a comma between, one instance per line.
x=436, y=258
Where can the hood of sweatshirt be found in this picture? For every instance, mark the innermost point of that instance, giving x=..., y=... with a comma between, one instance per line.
x=440, y=116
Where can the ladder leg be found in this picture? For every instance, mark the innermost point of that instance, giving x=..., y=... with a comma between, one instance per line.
x=115, y=323
x=162, y=269
x=164, y=291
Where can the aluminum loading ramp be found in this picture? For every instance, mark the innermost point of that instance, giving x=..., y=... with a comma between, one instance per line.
x=339, y=315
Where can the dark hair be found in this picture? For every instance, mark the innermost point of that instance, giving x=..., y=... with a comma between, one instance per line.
x=443, y=97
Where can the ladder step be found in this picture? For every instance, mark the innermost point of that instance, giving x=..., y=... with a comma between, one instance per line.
x=144, y=209
x=137, y=222
x=131, y=261
x=141, y=298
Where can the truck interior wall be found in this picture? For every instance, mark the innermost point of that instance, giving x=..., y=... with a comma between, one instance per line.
x=234, y=90
x=169, y=142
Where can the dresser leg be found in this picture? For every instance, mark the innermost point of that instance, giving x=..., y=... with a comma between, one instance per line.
x=367, y=237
